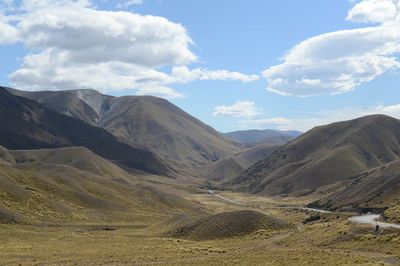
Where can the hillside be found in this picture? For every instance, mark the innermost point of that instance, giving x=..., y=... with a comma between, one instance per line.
x=224, y=225
x=232, y=166
x=77, y=157
x=73, y=184
x=373, y=189
x=267, y=136
x=27, y=124
x=143, y=122
x=325, y=155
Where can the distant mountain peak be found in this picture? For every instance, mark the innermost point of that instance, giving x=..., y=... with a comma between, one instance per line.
x=255, y=136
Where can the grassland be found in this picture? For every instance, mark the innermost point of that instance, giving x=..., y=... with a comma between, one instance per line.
x=331, y=240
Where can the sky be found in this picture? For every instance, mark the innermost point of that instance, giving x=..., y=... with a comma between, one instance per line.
x=236, y=65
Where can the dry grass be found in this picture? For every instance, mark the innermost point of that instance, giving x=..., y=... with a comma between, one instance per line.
x=224, y=225
x=329, y=241
x=129, y=246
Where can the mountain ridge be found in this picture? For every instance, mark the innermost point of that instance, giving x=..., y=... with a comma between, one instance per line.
x=30, y=125
x=267, y=136
x=144, y=122
x=305, y=164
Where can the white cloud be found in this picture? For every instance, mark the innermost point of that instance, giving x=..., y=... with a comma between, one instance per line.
x=338, y=62
x=8, y=34
x=392, y=110
x=43, y=5
x=184, y=75
x=86, y=35
x=75, y=46
x=373, y=11
x=48, y=71
x=160, y=91
x=321, y=118
x=239, y=109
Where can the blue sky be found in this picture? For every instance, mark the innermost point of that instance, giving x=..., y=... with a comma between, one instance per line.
x=245, y=39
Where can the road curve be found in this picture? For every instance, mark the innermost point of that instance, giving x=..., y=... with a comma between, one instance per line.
x=371, y=219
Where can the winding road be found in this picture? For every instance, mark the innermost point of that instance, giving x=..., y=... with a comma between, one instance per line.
x=369, y=219
x=225, y=199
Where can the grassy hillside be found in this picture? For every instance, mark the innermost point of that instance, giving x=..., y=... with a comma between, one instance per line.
x=373, y=189
x=324, y=156
x=224, y=225
x=230, y=167
x=74, y=185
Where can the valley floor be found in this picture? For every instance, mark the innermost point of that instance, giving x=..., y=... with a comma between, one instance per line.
x=331, y=240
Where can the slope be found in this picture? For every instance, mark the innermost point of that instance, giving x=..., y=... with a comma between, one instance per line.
x=70, y=185
x=373, y=189
x=225, y=225
x=232, y=166
x=325, y=155
x=267, y=136
x=144, y=122
x=28, y=125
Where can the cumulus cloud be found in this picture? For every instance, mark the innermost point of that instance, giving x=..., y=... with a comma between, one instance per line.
x=338, y=62
x=184, y=75
x=86, y=35
x=9, y=34
x=239, y=109
x=74, y=45
x=374, y=11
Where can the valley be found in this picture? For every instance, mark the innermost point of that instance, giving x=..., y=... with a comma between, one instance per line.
x=91, y=179
x=155, y=132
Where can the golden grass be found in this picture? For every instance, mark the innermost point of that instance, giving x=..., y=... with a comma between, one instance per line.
x=79, y=245
x=329, y=241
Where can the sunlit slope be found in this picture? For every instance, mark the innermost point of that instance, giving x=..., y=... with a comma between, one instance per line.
x=375, y=188
x=75, y=185
x=324, y=156
x=224, y=225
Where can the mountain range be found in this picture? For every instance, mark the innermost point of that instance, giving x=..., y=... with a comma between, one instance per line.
x=30, y=125
x=267, y=136
x=136, y=139
x=355, y=159
x=143, y=122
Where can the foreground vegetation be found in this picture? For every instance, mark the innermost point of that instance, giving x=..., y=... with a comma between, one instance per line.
x=328, y=239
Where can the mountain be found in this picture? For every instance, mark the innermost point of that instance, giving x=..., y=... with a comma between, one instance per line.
x=27, y=124
x=375, y=188
x=268, y=136
x=143, y=122
x=324, y=156
x=232, y=166
x=77, y=157
x=73, y=184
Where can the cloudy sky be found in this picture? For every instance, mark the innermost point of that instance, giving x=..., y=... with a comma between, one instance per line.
x=236, y=65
